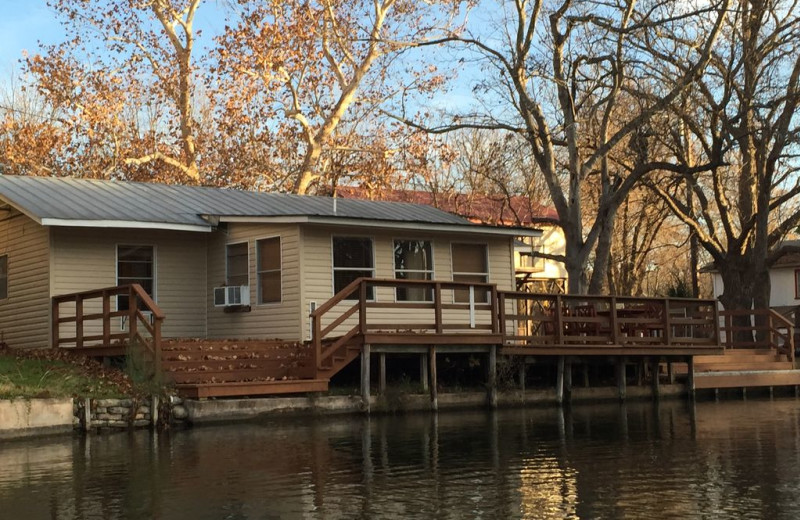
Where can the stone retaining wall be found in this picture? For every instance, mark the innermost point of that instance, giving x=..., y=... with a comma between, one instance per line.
x=103, y=414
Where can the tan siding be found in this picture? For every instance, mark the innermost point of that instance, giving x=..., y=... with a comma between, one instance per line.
x=25, y=314
x=318, y=271
x=85, y=259
x=272, y=320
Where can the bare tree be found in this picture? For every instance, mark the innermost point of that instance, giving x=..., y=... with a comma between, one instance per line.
x=566, y=76
x=743, y=117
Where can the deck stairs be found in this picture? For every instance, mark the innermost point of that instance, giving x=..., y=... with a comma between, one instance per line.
x=743, y=368
x=223, y=368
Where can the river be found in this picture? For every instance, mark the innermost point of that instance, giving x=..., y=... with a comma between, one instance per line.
x=728, y=459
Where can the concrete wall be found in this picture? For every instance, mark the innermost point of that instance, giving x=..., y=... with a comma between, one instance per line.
x=25, y=313
x=22, y=417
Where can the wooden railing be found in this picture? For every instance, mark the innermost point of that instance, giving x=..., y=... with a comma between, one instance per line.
x=331, y=330
x=758, y=329
x=555, y=319
x=137, y=321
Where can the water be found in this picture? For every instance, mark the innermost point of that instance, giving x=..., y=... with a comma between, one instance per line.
x=713, y=460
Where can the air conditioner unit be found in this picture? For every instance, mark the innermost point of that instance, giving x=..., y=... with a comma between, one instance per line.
x=232, y=296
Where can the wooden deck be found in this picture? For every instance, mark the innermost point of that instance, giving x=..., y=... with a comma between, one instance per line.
x=452, y=316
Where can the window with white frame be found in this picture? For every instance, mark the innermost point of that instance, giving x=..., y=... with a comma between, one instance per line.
x=135, y=264
x=413, y=260
x=352, y=259
x=237, y=264
x=268, y=269
x=3, y=277
x=470, y=264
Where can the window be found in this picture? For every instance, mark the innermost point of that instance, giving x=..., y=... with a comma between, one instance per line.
x=268, y=270
x=237, y=266
x=413, y=261
x=352, y=259
x=3, y=277
x=470, y=264
x=135, y=265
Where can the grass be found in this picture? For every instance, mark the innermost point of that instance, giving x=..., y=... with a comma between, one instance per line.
x=42, y=378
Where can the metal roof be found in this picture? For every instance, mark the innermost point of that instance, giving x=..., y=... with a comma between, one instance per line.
x=95, y=203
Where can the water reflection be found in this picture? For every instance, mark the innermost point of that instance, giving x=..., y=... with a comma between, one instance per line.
x=727, y=459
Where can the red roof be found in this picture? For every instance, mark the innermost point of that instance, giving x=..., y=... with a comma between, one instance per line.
x=487, y=209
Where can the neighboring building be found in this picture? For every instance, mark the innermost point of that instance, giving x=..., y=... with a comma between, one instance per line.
x=277, y=255
x=533, y=273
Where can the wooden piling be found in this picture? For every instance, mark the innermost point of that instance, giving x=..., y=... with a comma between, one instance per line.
x=365, y=377
x=382, y=373
x=560, y=381
x=433, y=382
x=423, y=371
x=568, y=379
x=654, y=369
x=492, y=377
x=690, y=377
x=621, y=383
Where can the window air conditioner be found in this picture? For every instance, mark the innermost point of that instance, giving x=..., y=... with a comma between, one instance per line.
x=232, y=296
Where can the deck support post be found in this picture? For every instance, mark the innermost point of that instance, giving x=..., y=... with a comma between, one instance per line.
x=560, y=381
x=654, y=369
x=492, y=378
x=522, y=375
x=87, y=415
x=568, y=379
x=382, y=373
x=586, y=375
x=690, y=377
x=433, y=383
x=365, y=361
x=423, y=371
x=154, y=405
x=621, y=383
x=670, y=372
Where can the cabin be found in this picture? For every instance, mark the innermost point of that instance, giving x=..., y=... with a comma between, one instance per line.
x=534, y=273
x=226, y=292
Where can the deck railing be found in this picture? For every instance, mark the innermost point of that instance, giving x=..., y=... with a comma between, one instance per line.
x=137, y=322
x=555, y=319
x=758, y=329
x=333, y=327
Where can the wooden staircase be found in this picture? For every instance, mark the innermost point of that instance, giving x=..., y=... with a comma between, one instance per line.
x=743, y=368
x=224, y=368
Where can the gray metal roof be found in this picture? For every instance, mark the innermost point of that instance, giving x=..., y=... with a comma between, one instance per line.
x=58, y=201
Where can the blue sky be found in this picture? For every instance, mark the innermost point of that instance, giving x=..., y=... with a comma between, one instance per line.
x=22, y=25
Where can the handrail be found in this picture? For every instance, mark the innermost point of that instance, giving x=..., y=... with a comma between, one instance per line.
x=136, y=294
x=772, y=330
x=358, y=289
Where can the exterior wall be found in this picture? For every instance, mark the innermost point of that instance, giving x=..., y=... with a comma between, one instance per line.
x=272, y=320
x=86, y=258
x=782, y=286
x=317, y=268
x=553, y=243
x=25, y=314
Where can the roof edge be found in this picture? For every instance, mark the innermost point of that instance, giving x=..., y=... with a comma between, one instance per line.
x=388, y=224
x=131, y=224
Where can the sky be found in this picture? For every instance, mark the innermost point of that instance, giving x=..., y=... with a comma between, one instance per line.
x=22, y=24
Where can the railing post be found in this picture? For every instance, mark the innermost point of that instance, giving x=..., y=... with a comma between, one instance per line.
x=316, y=336
x=667, y=323
x=717, y=336
x=54, y=332
x=559, y=321
x=499, y=313
x=437, y=307
x=614, y=323
x=157, y=346
x=106, y=319
x=362, y=307
x=78, y=321
x=472, y=306
x=133, y=303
